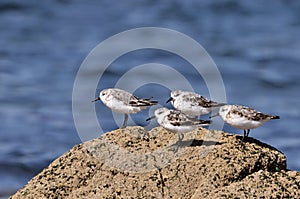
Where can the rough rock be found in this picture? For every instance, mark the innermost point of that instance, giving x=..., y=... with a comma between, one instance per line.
x=134, y=163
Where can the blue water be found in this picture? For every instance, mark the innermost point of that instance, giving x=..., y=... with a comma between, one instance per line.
x=255, y=45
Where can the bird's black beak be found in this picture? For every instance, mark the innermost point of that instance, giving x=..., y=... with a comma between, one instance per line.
x=150, y=118
x=96, y=99
x=169, y=100
x=215, y=115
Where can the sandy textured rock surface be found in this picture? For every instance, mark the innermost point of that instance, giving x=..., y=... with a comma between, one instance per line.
x=134, y=163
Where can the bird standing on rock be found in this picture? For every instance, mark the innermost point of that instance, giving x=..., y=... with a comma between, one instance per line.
x=242, y=117
x=177, y=122
x=123, y=102
x=191, y=103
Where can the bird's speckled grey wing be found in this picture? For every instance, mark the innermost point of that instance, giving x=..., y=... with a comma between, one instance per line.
x=198, y=100
x=249, y=113
x=123, y=96
x=176, y=118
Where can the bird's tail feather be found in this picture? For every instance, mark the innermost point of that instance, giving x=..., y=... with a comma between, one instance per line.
x=216, y=104
x=142, y=102
x=204, y=122
x=274, y=117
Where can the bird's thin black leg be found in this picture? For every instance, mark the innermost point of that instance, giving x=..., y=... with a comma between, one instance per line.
x=248, y=131
x=245, y=135
x=125, y=120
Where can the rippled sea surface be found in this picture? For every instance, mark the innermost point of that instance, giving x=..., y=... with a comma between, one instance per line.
x=255, y=45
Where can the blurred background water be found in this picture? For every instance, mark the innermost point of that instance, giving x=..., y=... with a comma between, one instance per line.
x=42, y=44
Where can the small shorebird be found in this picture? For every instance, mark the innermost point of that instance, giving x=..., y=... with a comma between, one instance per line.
x=242, y=117
x=176, y=121
x=192, y=103
x=123, y=102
